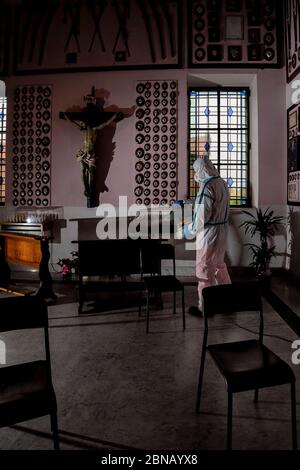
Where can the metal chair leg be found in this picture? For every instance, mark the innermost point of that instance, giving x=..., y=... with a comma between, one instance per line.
x=229, y=422
x=174, y=302
x=183, y=310
x=294, y=417
x=81, y=299
x=256, y=395
x=54, y=429
x=148, y=312
x=201, y=373
x=140, y=299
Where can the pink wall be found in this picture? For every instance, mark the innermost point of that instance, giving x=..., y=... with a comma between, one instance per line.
x=66, y=185
x=271, y=137
x=68, y=90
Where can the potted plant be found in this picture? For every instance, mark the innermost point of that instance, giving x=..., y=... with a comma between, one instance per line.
x=265, y=225
x=69, y=265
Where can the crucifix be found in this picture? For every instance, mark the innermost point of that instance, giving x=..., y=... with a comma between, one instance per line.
x=90, y=120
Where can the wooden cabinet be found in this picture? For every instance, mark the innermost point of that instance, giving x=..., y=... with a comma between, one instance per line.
x=22, y=249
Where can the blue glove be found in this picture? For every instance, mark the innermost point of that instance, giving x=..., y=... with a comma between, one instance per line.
x=179, y=202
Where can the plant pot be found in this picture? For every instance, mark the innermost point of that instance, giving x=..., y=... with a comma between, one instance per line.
x=67, y=276
x=265, y=280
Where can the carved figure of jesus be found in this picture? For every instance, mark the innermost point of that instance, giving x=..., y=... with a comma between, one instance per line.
x=90, y=120
x=86, y=155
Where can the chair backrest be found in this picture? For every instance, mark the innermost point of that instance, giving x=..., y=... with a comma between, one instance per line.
x=150, y=257
x=108, y=257
x=167, y=251
x=230, y=298
x=24, y=312
x=152, y=253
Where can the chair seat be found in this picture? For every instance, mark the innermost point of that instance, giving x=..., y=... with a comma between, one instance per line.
x=110, y=286
x=162, y=283
x=248, y=365
x=25, y=392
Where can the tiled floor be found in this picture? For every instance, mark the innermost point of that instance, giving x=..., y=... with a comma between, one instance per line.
x=119, y=388
x=289, y=291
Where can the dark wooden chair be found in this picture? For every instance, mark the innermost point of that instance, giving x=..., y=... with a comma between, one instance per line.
x=26, y=389
x=245, y=365
x=109, y=259
x=155, y=283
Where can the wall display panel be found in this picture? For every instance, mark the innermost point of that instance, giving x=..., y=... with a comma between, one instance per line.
x=67, y=35
x=3, y=116
x=31, y=151
x=293, y=155
x=232, y=33
x=156, y=142
x=292, y=36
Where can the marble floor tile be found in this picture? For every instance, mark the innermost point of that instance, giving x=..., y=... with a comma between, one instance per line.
x=119, y=388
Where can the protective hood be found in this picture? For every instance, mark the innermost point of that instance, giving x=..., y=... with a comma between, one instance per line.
x=204, y=169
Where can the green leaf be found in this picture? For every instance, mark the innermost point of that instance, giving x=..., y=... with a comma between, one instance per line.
x=266, y=224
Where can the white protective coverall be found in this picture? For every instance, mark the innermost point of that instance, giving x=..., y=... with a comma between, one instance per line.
x=209, y=225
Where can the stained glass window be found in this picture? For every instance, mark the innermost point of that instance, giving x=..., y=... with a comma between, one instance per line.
x=2, y=148
x=219, y=126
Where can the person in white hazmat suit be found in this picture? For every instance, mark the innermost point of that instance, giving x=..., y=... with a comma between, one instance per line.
x=209, y=226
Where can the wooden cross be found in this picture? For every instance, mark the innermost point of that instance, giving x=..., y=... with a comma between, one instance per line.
x=90, y=120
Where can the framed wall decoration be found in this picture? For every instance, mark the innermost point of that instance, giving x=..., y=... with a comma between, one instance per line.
x=293, y=156
x=235, y=53
x=233, y=5
x=254, y=35
x=31, y=151
x=292, y=38
x=65, y=35
x=254, y=17
x=156, y=142
x=234, y=27
x=252, y=4
x=293, y=123
x=244, y=31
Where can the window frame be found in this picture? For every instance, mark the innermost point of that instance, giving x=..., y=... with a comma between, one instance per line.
x=219, y=89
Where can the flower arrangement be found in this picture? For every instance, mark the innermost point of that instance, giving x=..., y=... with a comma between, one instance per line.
x=69, y=265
